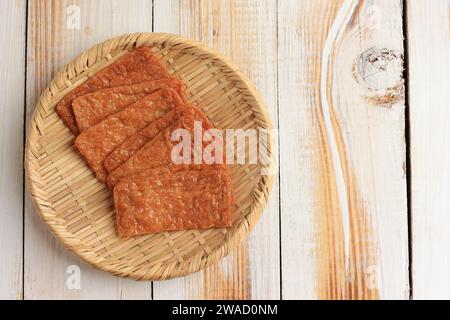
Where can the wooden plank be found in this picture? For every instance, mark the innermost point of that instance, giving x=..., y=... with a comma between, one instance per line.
x=245, y=31
x=57, y=32
x=12, y=79
x=342, y=147
x=429, y=86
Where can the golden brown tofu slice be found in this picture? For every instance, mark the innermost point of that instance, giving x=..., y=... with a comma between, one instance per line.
x=159, y=200
x=137, y=66
x=93, y=107
x=132, y=144
x=158, y=151
x=97, y=142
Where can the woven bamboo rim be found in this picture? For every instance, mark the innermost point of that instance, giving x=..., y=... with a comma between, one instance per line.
x=79, y=209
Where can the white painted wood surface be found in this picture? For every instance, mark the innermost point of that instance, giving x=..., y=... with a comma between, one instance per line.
x=280, y=45
x=429, y=101
x=55, y=38
x=327, y=251
x=245, y=31
x=12, y=79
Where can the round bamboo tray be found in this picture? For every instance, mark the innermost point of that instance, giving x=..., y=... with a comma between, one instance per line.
x=79, y=209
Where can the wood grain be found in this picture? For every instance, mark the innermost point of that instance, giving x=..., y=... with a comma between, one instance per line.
x=345, y=142
x=245, y=31
x=12, y=79
x=54, y=38
x=349, y=146
x=429, y=87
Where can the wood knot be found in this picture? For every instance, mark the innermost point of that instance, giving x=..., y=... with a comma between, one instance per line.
x=381, y=71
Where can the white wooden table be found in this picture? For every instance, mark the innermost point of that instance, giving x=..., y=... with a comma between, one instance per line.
x=361, y=206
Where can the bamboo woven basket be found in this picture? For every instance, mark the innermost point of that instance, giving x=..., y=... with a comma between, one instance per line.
x=79, y=209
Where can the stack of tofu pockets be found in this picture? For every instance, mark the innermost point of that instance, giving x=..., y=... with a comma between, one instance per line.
x=123, y=118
